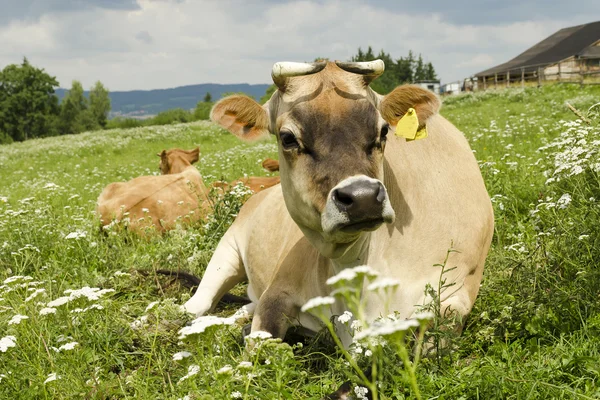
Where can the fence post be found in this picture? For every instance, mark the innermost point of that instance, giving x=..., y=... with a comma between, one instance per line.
x=539, y=76
x=507, y=78
x=522, y=77
x=496, y=80
x=484, y=82
x=559, y=72
x=582, y=73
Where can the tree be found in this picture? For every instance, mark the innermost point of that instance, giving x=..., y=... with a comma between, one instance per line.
x=28, y=105
x=202, y=110
x=207, y=97
x=74, y=114
x=99, y=104
x=420, y=73
x=430, y=72
x=403, y=70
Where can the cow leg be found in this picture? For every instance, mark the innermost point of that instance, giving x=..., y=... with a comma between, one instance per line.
x=224, y=271
x=275, y=312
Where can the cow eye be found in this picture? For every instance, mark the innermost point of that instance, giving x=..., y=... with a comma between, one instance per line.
x=384, y=132
x=288, y=140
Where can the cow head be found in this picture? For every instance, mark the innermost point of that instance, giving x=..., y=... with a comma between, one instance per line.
x=175, y=161
x=331, y=129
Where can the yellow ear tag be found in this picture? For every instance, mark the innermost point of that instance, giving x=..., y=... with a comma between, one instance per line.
x=408, y=126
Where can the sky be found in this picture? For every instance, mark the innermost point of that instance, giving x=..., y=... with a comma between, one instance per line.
x=153, y=44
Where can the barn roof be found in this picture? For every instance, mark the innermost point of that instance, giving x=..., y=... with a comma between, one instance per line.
x=574, y=41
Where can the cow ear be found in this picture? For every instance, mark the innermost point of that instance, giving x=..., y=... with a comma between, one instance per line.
x=242, y=116
x=194, y=155
x=393, y=106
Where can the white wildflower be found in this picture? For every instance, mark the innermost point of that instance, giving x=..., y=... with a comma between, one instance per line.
x=200, y=324
x=581, y=237
x=35, y=294
x=76, y=235
x=6, y=342
x=51, y=377
x=236, y=395
x=245, y=365
x=349, y=274
x=259, y=335
x=386, y=328
x=368, y=353
x=119, y=273
x=151, y=305
x=16, y=319
x=355, y=325
x=139, y=323
x=51, y=186
x=383, y=283
x=47, y=310
x=225, y=370
x=68, y=346
x=17, y=278
x=424, y=316
x=564, y=201
x=192, y=370
x=361, y=392
x=345, y=317
x=317, y=302
x=181, y=355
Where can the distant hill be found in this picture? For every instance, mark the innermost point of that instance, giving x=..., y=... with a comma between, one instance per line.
x=151, y=102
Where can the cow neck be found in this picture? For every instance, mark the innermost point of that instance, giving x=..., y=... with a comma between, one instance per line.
x=355, y=254
x=178, y=165
x=342, y=255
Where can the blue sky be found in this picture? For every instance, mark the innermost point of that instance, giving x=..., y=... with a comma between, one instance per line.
x=146, y=44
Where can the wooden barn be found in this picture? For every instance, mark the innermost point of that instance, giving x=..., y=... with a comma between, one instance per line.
x=571, y=54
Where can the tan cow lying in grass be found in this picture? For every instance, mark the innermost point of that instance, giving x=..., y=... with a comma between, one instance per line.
x=343, y=203
x=178, y=195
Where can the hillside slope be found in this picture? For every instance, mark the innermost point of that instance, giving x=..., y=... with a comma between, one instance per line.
x=150, y=102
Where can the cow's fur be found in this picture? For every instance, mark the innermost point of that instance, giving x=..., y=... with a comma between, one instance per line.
x=278, y=242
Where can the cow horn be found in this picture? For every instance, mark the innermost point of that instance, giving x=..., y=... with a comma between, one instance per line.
x=369, y=69
x=284, y=70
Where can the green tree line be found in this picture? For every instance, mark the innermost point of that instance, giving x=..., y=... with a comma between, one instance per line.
x=398, y=71
x=29, y=107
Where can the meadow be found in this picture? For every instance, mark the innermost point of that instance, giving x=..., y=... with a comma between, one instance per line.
x=78, y=319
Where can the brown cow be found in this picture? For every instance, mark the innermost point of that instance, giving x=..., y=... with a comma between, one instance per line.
x=254, y=183
x=179, y=195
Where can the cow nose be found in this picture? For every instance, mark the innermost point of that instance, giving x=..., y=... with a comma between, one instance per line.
x=360, y=199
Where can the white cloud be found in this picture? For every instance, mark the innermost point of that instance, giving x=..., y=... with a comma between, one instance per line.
x=166, y=43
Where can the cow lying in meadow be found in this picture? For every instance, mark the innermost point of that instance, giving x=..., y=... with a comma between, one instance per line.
x=177, y=196
x=343, y=202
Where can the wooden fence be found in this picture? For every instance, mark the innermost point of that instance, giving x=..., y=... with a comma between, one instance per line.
x=569, y=72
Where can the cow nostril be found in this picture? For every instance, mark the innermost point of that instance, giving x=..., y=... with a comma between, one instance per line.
x=380, y=194
x=342, y=198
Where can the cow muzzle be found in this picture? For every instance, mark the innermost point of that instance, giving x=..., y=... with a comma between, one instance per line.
x=356, y=204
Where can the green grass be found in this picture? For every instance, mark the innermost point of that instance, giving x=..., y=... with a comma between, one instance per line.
x=534, y=332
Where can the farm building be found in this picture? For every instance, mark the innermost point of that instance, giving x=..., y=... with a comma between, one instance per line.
x=432, y=85
x=570, y=54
